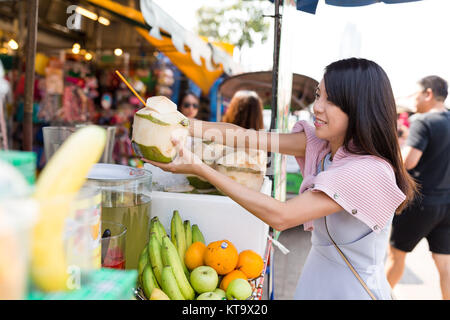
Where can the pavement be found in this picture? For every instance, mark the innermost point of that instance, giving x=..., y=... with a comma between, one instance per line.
x=420, y=280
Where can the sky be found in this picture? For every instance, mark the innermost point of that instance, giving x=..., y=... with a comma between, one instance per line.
x=409, y=41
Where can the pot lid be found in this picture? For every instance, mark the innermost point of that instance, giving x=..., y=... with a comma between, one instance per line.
x=116, y=172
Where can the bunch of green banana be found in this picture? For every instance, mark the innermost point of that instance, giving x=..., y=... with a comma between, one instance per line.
x=171, y=258
x=154, y=256
x=160, y=265
x=188, y=233
x=197, y=234
x=149, y=281
x=150, y=262
x=169, y=284
x=178, y=237
x=143, y=260
x=157, y=227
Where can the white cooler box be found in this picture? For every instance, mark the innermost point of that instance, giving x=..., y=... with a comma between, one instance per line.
x=218, y=217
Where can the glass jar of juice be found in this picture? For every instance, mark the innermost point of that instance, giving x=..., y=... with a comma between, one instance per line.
x=126, y=199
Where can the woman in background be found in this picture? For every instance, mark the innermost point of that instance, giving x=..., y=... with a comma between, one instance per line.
x=245, y=110
x=189, y=104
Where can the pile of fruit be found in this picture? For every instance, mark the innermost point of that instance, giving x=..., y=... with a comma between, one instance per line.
x=183, y=267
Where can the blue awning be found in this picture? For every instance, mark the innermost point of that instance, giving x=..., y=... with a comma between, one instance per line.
x=310, y=6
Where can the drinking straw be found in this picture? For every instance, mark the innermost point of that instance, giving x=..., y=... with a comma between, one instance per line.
x=130, y=87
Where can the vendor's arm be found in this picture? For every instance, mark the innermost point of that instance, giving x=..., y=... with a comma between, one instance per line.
x=279, y=215
x=237, y=137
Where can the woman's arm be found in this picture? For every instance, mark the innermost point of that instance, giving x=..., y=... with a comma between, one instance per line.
x=279, y=215
x=238, y=137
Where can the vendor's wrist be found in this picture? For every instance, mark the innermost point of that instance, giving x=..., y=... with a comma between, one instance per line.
x=200, y=169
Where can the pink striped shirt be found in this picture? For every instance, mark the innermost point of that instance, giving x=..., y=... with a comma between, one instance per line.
x=364, y=185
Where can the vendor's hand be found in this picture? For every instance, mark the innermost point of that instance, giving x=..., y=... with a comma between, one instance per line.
x=185, y=162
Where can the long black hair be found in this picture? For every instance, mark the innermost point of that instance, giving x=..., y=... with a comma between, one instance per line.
x=363, y=91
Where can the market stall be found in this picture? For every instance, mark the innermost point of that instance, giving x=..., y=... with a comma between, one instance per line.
x=77, y=49
x=90, y=226
x=88, y=223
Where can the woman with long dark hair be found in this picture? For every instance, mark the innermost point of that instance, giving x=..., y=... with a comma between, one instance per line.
x=353, y=181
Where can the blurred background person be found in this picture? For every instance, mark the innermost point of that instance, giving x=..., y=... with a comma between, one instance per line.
x=189, y=104
x=245, y=110
x=402, y=127
x=426, y=155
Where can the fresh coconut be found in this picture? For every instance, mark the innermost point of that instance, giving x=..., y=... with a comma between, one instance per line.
x=247, y=168
x=153, y=129
x=208, y=152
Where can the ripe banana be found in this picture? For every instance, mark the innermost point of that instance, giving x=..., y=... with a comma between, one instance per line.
x=148, y=281
x=171, y=258
x=143, y=261
x=197, y=234
x=154, y=255
x=188, y=233
x=158, y=294
x=169, y=284
x=179, y=238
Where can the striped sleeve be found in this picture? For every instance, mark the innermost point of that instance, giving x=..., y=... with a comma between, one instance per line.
x=365, y=188
x=308, y=164
x=315, y=150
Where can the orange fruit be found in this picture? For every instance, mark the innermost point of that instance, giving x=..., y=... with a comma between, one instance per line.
x=235, y=274
x=193, y=257
x=222, y=256
x=250, y=263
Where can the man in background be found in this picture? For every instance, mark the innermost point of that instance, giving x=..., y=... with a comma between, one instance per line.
x=426, y=155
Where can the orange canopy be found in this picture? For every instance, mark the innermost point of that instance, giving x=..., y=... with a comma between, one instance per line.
x=200, y=75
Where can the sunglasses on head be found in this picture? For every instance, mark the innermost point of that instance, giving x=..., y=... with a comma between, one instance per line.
x=187, y=105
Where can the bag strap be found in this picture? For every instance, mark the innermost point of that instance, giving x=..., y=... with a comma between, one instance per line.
x=350, y=265
x=372, y=296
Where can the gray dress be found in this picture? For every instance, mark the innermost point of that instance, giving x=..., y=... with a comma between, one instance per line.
x=325, y=274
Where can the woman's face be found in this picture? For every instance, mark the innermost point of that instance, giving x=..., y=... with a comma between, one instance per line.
x=330, y=121
x=189, y=106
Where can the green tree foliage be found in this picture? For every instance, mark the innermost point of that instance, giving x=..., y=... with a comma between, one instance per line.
x=238, y=22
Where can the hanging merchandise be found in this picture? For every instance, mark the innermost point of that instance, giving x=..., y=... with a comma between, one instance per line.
x=41, y=62
x=145, y=75
x=106, y=113
x=106, y=101
x=54, y=88
x=164, y=77
x=91, y=88
x=76, y=106
x=122, y=148
x=140, y=88
x=165, y=81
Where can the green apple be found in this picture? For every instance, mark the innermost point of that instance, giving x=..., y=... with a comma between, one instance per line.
x=239, y=289
x=209, y=296
x=221, y=293
x=204, y=279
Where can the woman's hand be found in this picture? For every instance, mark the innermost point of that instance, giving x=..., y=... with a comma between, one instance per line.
x=185, y=162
